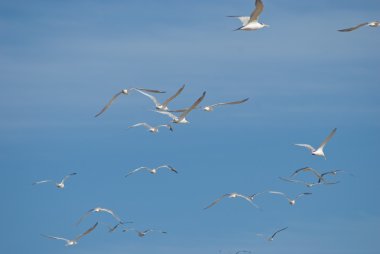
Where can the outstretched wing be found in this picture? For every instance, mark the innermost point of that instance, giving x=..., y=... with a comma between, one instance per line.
x=257, y=11
x=167, y=113
x=55, y=237
x=149, y=90
x=327, y=139
x=87, y=232
x=165, y=103
x=278, y=231
x=169, y=167
x=109, y=104
x=309, y=147
x=166, y=125
x=302, y=194
x=155, y=101
x=216, y=201
x=85, y=215
x=66, y=177
x=228, y=103
x=42, y=181
x=353, y=28
x=244, y=20
x=135, y=170
x=141, y=124
x=195, y=104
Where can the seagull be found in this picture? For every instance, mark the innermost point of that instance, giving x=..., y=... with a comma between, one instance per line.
x=59, y=185
x=98, y=210
x=75, y=240
x=235, y=195
x=164, y=105
x=307, y=184
x=333, y=172
x=252, y=22
x=126, y=92
x=370, y=24
x=181, y=119
x=143, y=233
x=319, y=150
x=151, y=128
x=274, y=234
x=152, y=170
x=291, y=201
x=213, y=106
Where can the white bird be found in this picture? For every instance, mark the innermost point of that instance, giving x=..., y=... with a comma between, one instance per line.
x=252, y=22
x=181, y=119
x=319, y=150
x=291, y=201
x=164, y=105
x=151, y=128
x=275, y=233
x=213, y=106
x=59, y=185
x=145, y=232
x=98, y=210
x=307, y=184
x=235, y=195
x=152, y=170
x=370, y=24
x=75, y=240
x=125, y=92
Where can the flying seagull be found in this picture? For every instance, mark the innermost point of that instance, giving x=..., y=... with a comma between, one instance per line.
x=145, y=232
x=291, y=201
x=151, y=128
x=98, y=210
x=275, y=233
x=307, y=184
x=152, y=170
x=370, y=24
x=213, y=106
x=75, y=240
x=164, y=105
x=252, y=22
x=181, y=118
x=125, y=92
x=235, y=195
x=319, y=150
x=59, y=185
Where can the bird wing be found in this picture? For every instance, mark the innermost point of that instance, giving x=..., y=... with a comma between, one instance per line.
x=108, y=104
x=216, y=201
x=278, y=232
x=87, y=231
x=291, y=180
x=85, y=215
x=66, y=177
x=227, y=103
x=112, y=213
x=302, y=194
x=149, y=90
x=309, y=147
x=55, y=237
x=165, y=103
x=178, y=110
x=280, y=193
x=166, y=125
x=167, y=113
x=327, y=139
x=155, y=101
x=42, y=181
x=300, y=170
x=169, y=167
x=353, y=28
x=244, y=20
x=257, y=11
x=195, y=104
x=141, y=124
x=135, y=170
x=248, y=199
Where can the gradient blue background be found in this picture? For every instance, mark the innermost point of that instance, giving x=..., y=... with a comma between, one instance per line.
x=61, y=61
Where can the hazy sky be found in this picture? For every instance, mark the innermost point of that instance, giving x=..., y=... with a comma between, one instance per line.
x=61, y=61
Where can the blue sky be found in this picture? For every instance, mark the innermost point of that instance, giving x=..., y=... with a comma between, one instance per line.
x=61, y=61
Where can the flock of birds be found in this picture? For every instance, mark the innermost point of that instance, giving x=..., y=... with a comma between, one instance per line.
x=178, y=116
